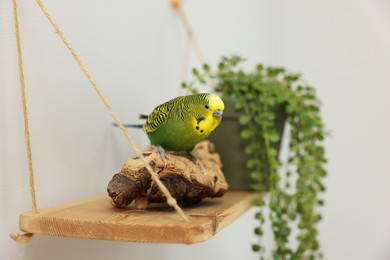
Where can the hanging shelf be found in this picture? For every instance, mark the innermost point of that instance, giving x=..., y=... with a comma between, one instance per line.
x=96, y=218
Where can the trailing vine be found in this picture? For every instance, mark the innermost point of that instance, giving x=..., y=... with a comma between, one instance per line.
x=265, y=95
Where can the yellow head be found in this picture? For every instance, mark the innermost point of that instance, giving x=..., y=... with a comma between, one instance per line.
x=216, y=107
x=207, y=113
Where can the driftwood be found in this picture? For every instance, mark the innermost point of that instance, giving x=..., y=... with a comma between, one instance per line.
x=183, y=178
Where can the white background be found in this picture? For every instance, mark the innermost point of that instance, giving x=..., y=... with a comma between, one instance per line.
x=135, y=49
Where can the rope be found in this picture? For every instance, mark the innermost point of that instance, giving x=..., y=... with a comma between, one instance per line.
x=190, y=32
x=24, y=238
x=186, y=59
x=191, y=40
x=170, y=200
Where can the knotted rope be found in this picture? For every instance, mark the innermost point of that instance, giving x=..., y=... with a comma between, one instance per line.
x=24, y=238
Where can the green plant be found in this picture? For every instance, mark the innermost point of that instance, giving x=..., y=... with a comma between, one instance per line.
x=259, y=93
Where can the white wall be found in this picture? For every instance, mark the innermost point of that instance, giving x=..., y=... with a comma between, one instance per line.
x=134, y=49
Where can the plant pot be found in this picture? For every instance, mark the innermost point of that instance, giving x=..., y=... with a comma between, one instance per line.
x=230, y=146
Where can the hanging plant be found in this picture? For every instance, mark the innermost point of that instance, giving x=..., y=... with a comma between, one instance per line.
x=293, y=185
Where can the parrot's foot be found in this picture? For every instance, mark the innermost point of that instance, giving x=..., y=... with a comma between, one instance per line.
x=197, y=162
x=163, y=154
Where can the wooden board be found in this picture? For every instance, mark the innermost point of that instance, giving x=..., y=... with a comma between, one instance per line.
x=96, y=218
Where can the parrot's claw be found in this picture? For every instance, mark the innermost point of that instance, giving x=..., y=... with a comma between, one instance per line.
x=163, y=154
x=197, y=162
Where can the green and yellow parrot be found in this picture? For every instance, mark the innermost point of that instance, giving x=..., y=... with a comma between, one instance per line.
x=181, y=123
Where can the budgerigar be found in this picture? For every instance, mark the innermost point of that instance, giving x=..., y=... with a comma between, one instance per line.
x=181, y=123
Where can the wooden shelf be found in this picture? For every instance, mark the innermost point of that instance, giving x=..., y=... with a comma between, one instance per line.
x=96, y=218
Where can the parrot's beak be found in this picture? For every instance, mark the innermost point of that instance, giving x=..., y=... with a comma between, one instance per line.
x=218, y=113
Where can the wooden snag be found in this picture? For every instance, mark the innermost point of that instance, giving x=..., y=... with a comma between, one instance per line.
x=182, y=177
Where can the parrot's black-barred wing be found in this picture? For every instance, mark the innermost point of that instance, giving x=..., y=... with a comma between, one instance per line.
x=161, y=114
x=177, y=108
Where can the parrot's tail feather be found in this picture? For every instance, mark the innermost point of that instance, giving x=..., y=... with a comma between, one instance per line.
x=130, y=125
x=141, y=116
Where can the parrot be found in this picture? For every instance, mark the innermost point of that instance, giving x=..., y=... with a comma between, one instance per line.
x=180, y=123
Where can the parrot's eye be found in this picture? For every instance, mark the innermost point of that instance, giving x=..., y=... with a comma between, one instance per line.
x=206, y=106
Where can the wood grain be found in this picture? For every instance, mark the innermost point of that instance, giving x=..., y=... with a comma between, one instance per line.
x=96, y=218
